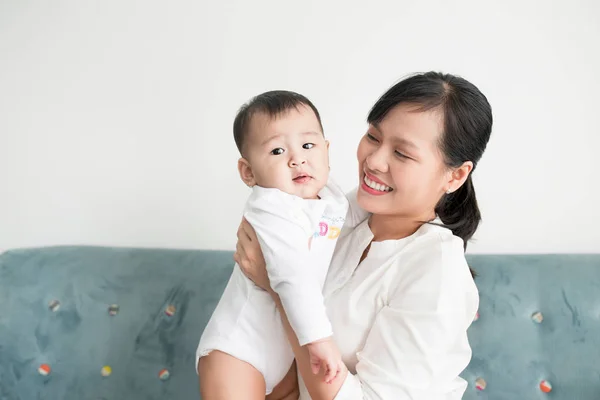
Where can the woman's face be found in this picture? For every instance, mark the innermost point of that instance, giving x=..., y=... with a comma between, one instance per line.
x=401, y=168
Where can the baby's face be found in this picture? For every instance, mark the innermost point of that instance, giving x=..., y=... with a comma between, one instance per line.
x=287, y=152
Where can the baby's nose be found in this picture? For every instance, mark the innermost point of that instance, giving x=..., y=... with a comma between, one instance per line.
x=297, y=161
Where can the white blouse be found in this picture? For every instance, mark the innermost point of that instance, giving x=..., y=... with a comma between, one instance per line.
x=400, y=317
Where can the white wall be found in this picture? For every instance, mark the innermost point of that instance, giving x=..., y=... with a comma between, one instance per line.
x=115, y=117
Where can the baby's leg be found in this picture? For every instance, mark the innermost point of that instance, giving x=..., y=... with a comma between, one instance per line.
x=224, y=377
x=287, y=389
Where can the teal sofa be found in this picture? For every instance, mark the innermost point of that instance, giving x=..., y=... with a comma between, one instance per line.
x=113, y=323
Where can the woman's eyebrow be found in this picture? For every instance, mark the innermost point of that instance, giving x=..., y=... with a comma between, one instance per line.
x=398, y=140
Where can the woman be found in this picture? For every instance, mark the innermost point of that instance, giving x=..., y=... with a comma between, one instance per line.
x=399, y=292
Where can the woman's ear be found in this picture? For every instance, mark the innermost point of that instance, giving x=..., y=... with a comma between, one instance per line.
x=458, y=176
x=246, y=173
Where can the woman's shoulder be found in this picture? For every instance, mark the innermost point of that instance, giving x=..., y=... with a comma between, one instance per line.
x=441, y=244
x=356, y=214
x=434, y=262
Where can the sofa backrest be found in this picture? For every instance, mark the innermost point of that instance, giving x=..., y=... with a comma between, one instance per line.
x=55, y=312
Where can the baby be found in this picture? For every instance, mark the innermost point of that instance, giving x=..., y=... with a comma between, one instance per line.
x=297, y=213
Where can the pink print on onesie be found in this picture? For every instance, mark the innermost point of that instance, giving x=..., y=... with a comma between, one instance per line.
x=328, y=227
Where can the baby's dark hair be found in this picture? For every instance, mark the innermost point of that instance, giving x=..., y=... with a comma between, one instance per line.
x=272, y=103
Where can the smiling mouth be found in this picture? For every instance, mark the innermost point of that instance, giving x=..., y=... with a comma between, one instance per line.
x=376, y=186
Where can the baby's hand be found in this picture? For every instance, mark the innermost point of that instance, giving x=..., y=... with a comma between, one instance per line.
x=325, y=355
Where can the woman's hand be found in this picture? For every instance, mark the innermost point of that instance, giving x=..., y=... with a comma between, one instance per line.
x=249, y=256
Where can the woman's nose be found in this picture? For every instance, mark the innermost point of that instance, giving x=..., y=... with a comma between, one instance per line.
x=377, y=160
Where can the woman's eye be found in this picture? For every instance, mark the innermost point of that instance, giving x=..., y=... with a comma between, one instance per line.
x=308, y=146
x=400, y=155
x=277, y=151
x=372, y=138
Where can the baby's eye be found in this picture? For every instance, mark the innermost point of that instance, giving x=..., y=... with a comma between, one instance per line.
x=308, y=146
x=277, y=151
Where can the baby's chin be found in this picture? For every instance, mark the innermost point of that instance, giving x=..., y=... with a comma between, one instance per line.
x=307, y=191
x=307, y=194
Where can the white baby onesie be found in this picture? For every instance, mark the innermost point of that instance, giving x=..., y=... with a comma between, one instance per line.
x=297, y=237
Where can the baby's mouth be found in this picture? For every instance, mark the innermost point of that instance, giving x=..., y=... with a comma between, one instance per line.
x=302, y=178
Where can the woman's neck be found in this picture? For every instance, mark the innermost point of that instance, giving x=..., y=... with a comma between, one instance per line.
x=390, y=227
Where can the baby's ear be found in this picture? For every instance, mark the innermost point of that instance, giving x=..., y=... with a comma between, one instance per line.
x=327, y=143
x=246, y=173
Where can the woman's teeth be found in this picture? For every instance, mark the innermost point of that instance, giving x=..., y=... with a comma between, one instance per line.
x=377, y=186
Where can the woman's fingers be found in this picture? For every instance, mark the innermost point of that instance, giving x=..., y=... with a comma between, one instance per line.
x=248, y=230
x=247, y=244
x=240, y=256
x=237, y=254
x=243, y=245
x=249, y=257
x=241, y=232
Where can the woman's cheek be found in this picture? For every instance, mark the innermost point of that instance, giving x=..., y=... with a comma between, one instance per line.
x=362, y=149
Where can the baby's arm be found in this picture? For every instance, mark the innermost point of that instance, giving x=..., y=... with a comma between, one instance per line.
x=283, y=229
x=324, y=354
